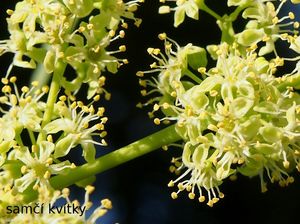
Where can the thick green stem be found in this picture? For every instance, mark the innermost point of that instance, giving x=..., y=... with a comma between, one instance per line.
x=206, y=9
x=120, y=156
x=53, y=93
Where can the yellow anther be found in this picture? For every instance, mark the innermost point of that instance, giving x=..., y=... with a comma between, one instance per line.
x=96, y=98
x=124, y=25
x=156, y=51
x=296, y=25
x=49, y=161
x=188, y=188
x=143, y=83
x=213, y=93
x=221, y=195
x=153, y=65
x=140, y=74
x=122, y=48
x=100, y=111
x=212, y=127
x=81, y=29
x=35, y=83
x=106, y=203
x=47, y=174
x=150, y=50
x=100, y=127
x=63, y=98
x=180, y=186
x=210, y=203
x=60, y=54
x=156, y=107
x=90, y=26
x=215, y=200
x=34, y=148
x=165, y=147
x=23, y=169
x=164, y=9
x=9, y=12
x=162, y=36
x=103, y=134
x=122, y=33
x=4, y=81
x=103, y=142
x=202, y=70
x=275, y=20
x=291, y=15
x=166, y=105
x=201, y=198
x=89, y=189
x=112, y=33
x=171, y=184
x=6, y=89
x=65, y=192
x=144, y=92
x=286, y=164
x=13, y=79
x=172, y=169
x=191, y=195
x=156, y=121
x=45, y=89
x=174, y=195
x=13, y=99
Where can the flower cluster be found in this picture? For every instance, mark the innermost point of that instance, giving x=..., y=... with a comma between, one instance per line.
x=237, y=116
x=45, y=31
x=35, y=134
x=30, y=149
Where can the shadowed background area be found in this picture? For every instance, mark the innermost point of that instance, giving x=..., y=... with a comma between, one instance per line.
x=138, y=189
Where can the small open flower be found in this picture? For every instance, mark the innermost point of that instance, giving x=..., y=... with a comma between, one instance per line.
x=38, y=166
x=75, y=122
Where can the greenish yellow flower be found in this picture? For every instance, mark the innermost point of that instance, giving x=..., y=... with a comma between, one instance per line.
x=76, y=122
x=182, y=8
x=264, y=25
x=38, y=166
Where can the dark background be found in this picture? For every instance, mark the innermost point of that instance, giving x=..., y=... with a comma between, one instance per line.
x=139, y=189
